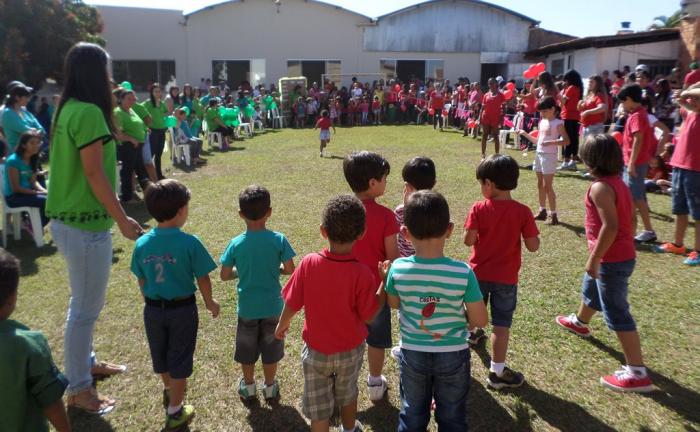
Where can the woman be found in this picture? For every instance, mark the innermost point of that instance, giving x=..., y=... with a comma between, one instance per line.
x=570, y=97
x=197, y=112
x=83, y=207
x=157, y=110
x=16, y=118
x=131, y=137
x=21, y=169
x=172, y=101
x=594, y=107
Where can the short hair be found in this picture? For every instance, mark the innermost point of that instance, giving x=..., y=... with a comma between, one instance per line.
x=254, y=202
x=9, y=275
x=165, y=198
x=643, y=74
x=632, y=91
x=361, y=167
x=603, y=155
x=503, y=171
x=419, y=172
x=426, y=215
x=545, y=103
x=344, y=219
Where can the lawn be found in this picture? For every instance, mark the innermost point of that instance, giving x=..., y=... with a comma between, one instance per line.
x=562, y=371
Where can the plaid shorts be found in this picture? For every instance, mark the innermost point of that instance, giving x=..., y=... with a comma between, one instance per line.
x=329, y=380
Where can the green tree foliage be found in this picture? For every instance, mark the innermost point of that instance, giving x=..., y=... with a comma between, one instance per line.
x=664, y=22
x=36, y=34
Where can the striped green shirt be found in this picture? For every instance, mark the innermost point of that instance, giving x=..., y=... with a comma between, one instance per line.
x=432, y=294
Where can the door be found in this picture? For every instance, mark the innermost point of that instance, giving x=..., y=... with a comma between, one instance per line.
x=492, y=70
x=313, y=69
x=409, y=69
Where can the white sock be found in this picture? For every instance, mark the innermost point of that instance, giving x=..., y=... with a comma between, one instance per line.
x=497, y=368
x=553, y=212
x=578, y=322
x=640, y=371
x=374, y=380
x=542, y=208
x=173, y=409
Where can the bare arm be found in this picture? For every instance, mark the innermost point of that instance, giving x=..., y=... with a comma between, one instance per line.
x=637, y=143
x=469, y=237
x=391, y=246
x=284, y=322
x=204, y=285
x=603, y=198
x=228, y=273
x=13, y=174
x=476, y=313
x=287, y=267
x=665, y=138
x=57, y=416
x=394, y=301
x=532, y=243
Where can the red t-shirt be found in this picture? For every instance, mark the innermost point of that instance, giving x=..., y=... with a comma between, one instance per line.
x=687, y=152
x=337, y=293
x=376, y=105
x=437, y=101
x=590, y=103
x=622, y=248
x=380, y=223
x=500, y=224
x=692, y=77
x=492, y=106
x=324, y=123
x=637, y=121
x=569, y=111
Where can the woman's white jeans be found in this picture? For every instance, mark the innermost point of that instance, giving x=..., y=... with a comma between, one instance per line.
x=88, y=257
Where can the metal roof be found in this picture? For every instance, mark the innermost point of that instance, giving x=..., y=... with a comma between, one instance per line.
x=478, y=2
x=215, y=5
x=651, y=36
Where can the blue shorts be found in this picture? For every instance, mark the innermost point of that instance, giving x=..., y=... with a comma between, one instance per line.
x=146, y=151
x=379, y=335
x=636, y=184
x=503, y=299
x=686, y=193
x=172, y=338
x=608, y=294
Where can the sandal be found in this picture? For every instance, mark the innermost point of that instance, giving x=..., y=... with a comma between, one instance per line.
x=91, y=402
x=104, y=369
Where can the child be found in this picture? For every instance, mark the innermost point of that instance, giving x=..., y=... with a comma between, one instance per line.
x=336, y=110
x=325, y=124
x=299, y=113
x=364, y=109
x=165, y=261
x=493, y=229
x=32, y=386
x=366, y=174
x=311, y=109
x=432, y=291
x=213, y=119
x=491, y=115
x=339, y=296
x=257, y=255
x=436, y=103
x=657, y=179
x=376, y=110
x=552, y=133
x=609, y=230
x=183, y=135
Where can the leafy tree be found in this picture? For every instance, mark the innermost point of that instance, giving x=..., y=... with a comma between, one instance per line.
x=664, y=22
x=36, y=34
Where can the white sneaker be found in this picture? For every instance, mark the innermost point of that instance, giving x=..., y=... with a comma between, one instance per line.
x=645, y=236
x=564, y=166
x=396, y=353
x=376, y=392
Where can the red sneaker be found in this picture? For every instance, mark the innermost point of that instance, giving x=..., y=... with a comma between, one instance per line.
x=624, y=380
x=568, y=322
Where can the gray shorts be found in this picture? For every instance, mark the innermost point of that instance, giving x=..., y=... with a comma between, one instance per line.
x=256, y=338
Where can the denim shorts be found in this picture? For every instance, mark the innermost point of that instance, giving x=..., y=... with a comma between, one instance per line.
x=172, y=338
x=608, y=294
x=636, y=184
x=256, y=338
x=686, y=193
x=503, y=299
x=146, y=151
x=380, y=330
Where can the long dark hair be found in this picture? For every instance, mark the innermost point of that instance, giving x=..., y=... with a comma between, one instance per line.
x=20, y=149
x=153, y=98
x=548, y=81
x=87, y=80
x=573, y=78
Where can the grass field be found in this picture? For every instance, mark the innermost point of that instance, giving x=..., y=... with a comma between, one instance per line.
x=562, y=371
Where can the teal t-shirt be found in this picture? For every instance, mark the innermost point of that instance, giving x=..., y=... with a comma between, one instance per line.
x=432, y=293
x=257, y=256
x=15, y=124
x=30, y=380
x=25, y=173
x=170, y=260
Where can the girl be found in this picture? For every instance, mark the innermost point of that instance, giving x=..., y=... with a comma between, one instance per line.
x=157, y=111
x=172, y=101
x=594, y=107
x=546, y=87
x=570, y=97
x=552, y=133
x=437, y=103
x=324, y=123
x=364, y=109
x=21, y=169
x=336, y=109
x=491, y=115
x=376, y=110
x=609, y=231
x=299, y=113
x=658, y=179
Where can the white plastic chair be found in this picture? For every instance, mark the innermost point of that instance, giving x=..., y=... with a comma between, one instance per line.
x=277, y=119
x=259, y=123
x=503, y=134
x=215, y=140
x=247, y=128
x=15, y=214
x=179, y=151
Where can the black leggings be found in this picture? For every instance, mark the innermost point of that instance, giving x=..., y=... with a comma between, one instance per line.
x=157, y=139
x=132, y=160
x=571, y=150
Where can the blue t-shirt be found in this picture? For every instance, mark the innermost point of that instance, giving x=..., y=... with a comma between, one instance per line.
x=25, y=173
x=257, y=256
x=170, y=260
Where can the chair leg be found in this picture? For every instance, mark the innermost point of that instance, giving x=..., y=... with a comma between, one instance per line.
x=186, y=151
x=17, y=226
x=37, y=228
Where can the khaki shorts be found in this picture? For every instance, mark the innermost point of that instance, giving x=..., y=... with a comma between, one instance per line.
x=329, y=380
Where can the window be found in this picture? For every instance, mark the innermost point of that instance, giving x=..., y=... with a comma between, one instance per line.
x=558, y=67
x=313, y=69
x=388, y=67
x=142, y=73
x=658, y=67
x=407, y=70
x=435, y=69
x=570, y=62
x=232, y=72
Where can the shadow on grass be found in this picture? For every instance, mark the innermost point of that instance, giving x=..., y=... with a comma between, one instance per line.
x=381, y=416
x=83, y=421
x=28, y=254
x=660, y=216
x=273, y=416
x=138, y=212
x=576, y=229
x=574, y=175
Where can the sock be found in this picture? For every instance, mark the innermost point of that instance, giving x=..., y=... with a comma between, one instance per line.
x=174, y=409
x=553, y=212
x=497, y=368
x=542, y=208
x=374, y=380
x=640, y=371
x=578, y=322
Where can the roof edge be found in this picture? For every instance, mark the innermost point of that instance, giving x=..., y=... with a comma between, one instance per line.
x=479, y=2
x=322, y=3
x=659, y=35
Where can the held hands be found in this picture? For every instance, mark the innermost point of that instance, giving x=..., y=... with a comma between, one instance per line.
x=281, y=330
x=383, y=267
x=213, y=308
x=631, y=170
x=130, y=229
x=593, y=267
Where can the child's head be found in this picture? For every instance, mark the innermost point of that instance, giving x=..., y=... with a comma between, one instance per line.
x=324, y=113
x=376, y=98
x=181, y=113
x=419, y=173
x=498, y=171
x=9, y=280
x=657, y=162
x=602, y=155
x=29, y=144
x=630, y=96
x=254, y=203
x=426, y=215
x=493, y=84
x=213, y=102
x=343, y=219
x=166, y=200
x=547, y=107
x=365, y=171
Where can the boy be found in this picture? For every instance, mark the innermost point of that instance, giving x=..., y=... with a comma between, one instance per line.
x=637, y=147
x=432, y=291
x=183, y=135
x=493, y=230
x=339, y=296
x=366, y=173
x=686, y=179
x=32, y=387
x=257, y=255
x=165, y=261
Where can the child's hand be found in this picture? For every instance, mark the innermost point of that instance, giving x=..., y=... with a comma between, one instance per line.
x=631, y=170
x=593, y=267
x=281, y=330
x=213, y=308
x=383, y=268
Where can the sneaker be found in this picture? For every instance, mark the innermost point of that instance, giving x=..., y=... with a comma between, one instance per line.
x=509, y=378
x=246, y=391
x=271, y=391
x=569, y=323
x=542, y=215
x=645, y=236
x=564, y=166
x=693, y=259
x=166, y=398
x=671, y=248
x=376, y=392
x=396, y=353
x=476, y=336
x=553, y=220
x=572, y=166
x=358, y=427
x=624, y=380
x=180, y=418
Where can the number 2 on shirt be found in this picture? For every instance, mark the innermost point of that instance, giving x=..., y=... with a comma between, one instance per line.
x=159, y=273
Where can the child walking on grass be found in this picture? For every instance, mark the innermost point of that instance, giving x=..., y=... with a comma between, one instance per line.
x=325, y=124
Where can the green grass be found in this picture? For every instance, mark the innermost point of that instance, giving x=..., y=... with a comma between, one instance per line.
x=562, y=371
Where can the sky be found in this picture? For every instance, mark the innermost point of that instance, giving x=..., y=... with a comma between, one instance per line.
x=575, y=17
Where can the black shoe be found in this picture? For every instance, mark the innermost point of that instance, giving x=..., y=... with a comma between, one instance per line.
x=509, y=378
x=542, y=215
x=476, y=336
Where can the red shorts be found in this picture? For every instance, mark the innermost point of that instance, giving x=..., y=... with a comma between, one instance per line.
x=490, y=121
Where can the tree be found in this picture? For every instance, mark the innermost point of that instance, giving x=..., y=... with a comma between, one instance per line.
x=664, y=22
x=36, y=34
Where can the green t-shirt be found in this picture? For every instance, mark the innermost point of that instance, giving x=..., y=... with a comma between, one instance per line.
x=71, y=199
x=30, y=380
x=157, y=113
x=130, y=123
x=210, y=116
x=142, y=113
x=197, y=107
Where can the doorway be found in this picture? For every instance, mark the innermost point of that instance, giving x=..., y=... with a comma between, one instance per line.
x=409, y=69
x=492, y=70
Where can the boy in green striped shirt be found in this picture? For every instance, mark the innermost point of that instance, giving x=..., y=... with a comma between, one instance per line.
x=432, y=291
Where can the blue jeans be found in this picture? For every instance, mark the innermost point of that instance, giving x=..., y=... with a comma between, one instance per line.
x=442, y=376
x=88, y=258
x=608, y=294
x=26, y=200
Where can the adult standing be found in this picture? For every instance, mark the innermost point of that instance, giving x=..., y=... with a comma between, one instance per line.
x=83, y=207
x=157, y=110
x=570, y=97
x=16, y=118
x=131, y=136
x=594, y=107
